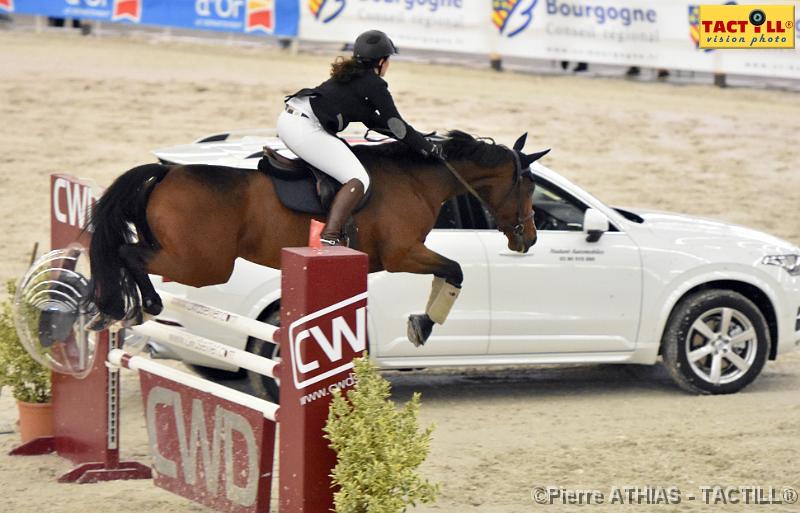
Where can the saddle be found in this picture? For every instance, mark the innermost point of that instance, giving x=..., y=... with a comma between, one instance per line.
x=300, y=186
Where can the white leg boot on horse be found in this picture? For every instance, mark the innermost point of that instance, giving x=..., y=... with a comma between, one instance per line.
x=443, y=296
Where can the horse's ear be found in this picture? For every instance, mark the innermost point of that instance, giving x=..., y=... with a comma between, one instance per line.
x=520, y=142
x=527, y=160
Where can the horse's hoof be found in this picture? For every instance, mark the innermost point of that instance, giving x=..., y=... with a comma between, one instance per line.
x=100, y=322
x=153, y=305
x=140, y=317
x=131, y=321
x=420, y=327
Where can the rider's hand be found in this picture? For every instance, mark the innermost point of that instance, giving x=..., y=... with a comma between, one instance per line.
x=436, y=152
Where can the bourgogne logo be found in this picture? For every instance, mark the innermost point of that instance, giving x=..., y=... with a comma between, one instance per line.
x=511, y=17
x=746, y=26
x=326, y=11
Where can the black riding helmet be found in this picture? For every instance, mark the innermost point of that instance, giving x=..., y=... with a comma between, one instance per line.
x=372, y=46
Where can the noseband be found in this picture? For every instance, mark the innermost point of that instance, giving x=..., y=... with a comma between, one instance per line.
x=517, y=229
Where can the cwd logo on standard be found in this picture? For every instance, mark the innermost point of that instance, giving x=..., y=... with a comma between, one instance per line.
x=320, y=341
x=71, y=201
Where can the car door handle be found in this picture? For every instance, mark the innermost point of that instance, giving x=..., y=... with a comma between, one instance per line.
x=517, y=255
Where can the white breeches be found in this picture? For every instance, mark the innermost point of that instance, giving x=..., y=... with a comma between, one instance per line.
x=309, y=141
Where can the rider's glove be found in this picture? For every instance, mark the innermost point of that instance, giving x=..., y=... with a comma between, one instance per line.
x=436, y=152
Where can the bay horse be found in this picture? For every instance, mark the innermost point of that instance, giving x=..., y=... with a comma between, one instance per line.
x=190, y=222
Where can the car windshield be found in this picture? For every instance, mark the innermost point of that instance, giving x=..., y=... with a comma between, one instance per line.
x=554, y=209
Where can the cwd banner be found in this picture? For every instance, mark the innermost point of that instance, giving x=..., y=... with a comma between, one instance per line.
x=448, y=25
x=278, y=17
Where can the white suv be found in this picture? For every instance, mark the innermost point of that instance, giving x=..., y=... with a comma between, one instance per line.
x=714, y=300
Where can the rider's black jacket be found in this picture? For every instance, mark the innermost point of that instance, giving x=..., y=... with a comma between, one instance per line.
x=366, y=99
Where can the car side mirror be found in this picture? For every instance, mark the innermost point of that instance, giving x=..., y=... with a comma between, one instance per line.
x=595, y=224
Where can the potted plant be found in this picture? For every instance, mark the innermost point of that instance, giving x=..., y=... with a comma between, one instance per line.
x=378, y=447
x=29, y=380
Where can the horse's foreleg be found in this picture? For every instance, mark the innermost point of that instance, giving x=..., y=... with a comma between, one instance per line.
x=443, y=296
x=444, y=290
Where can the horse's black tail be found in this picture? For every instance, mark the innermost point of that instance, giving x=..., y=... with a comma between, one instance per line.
x=116, y=219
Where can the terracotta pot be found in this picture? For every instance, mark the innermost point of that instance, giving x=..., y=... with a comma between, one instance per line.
x=35, y=420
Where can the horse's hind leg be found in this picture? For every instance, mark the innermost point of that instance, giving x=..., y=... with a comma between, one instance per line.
x=136, y=258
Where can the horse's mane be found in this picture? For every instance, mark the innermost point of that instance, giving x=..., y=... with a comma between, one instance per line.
x=457, y=146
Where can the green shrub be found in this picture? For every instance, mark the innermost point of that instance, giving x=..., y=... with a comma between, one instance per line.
x=29, y=380
x=378, y=446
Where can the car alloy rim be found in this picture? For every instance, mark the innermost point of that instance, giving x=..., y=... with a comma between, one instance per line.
x=721, y=345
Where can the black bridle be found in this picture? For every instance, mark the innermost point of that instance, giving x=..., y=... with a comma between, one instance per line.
x=519, y=228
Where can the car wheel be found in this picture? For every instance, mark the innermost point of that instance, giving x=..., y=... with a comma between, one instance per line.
x=257, y=384
x=216, y=375
x=716, y=342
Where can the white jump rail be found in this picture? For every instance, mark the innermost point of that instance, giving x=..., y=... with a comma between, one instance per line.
x=207, y=347
x=237, y=323
x=119, y=358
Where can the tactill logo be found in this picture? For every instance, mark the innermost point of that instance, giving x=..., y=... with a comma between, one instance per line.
x=746, y=26
x=318, y=341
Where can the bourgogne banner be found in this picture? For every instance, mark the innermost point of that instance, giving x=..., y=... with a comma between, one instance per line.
x=445, y=25
x=657, y=33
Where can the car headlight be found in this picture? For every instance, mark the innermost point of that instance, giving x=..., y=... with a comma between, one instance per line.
x=789, y=262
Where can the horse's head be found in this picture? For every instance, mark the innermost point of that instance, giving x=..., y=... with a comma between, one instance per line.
x=507, y=191
x=514, y=211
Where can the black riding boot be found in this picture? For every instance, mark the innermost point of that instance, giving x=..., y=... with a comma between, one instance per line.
x=342, y=207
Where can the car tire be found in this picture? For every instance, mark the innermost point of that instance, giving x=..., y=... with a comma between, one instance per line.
x=705, y=357
x=257, y=384
x=212, y=374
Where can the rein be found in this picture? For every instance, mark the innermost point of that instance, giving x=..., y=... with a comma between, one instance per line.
x=518, y=228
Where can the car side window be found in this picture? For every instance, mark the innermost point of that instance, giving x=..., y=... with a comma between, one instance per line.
x=463, y=212
x=554, y=209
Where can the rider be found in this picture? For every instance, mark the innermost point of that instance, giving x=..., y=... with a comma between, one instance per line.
x=355, y=92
